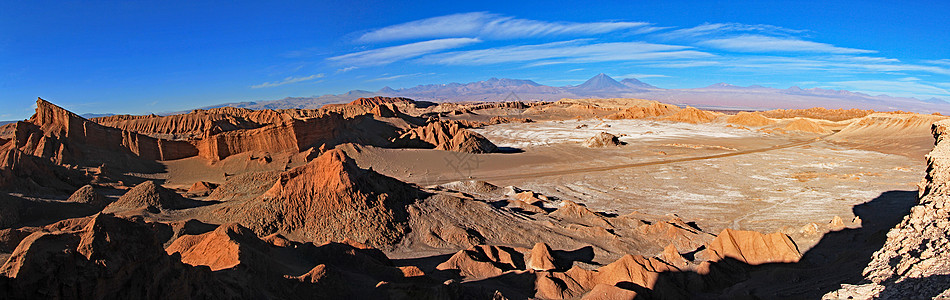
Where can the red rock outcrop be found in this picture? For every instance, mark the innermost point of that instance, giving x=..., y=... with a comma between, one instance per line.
x=692, y=115
x=87, y=194
x=202, y=188
x=447, y=135
x=105, y=257
x=822, y=113
x=676, y=232
x=151, y=197
x=102, y=253
x=484, y=261
x=541, y=258
x=288, y=136
x=330, y=199
x=224, y=248
x=601, y=140
x=378, y=106
x=56, y=133
x=380, y=100
x=651, y=110
x=54, y=137
x=571, y=211
x=753, y=119
x=26, y=173
x=194, y=124
x=629, y=269
x=505, y=120
x=753, y=248
x=805, y=125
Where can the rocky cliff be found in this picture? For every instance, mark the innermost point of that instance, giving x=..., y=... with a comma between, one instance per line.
x=915, y=260
x=44, y=151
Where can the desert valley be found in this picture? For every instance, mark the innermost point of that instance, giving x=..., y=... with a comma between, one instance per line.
x=389, y=197
x=504, y=150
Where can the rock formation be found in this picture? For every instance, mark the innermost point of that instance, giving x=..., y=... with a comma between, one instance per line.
x=87, y=194
x=913, y=263
x=199, y=122
x=601, y=140
x=201, y=188
x=447, y=135
x=692, y=115
x=805, y=125
x=331, y=199
x=56, y=133
x=820, y=113
x=105, y=257
x=54, y=137
x=651, y=110
x=906, y=134
x=541, y=258
x=484, y=261
x=753, y=248
x=149, y=196
x=752, y=119
x=102, y=253
x=291, y=135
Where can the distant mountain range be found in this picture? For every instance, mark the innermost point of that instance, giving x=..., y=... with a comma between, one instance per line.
x=717, y=96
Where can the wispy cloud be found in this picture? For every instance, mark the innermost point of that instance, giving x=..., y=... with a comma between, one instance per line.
x=761, y=43
x=841, y=64
x=641, y=76
x=747, y=38
x=684, y=64
x=392, y=54
x=393, y=77
x=488, y=25
x=575, y=51
x=894, y=88
x=347, y=69
x=718, y=29
x=945, y=62
x=287, y=80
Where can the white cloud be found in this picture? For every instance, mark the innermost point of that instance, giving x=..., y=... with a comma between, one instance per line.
x=575, y=51
x=347, y=69
x=487, y=25
x=641, y=76
x=287, y=80
x=833, y=63
x=684, y=64
x=387, y=78
x=894, y=88
x=761, y=43
x=392, y=54
x=864, y=59
x=945, y=62
x=719, y=29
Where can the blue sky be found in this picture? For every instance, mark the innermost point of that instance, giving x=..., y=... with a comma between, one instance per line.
x=139, y=57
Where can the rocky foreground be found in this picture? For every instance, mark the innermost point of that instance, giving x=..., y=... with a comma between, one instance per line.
x=84, y=214
x=915, y=260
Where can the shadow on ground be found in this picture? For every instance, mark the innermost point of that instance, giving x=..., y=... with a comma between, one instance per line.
x=838, y=258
